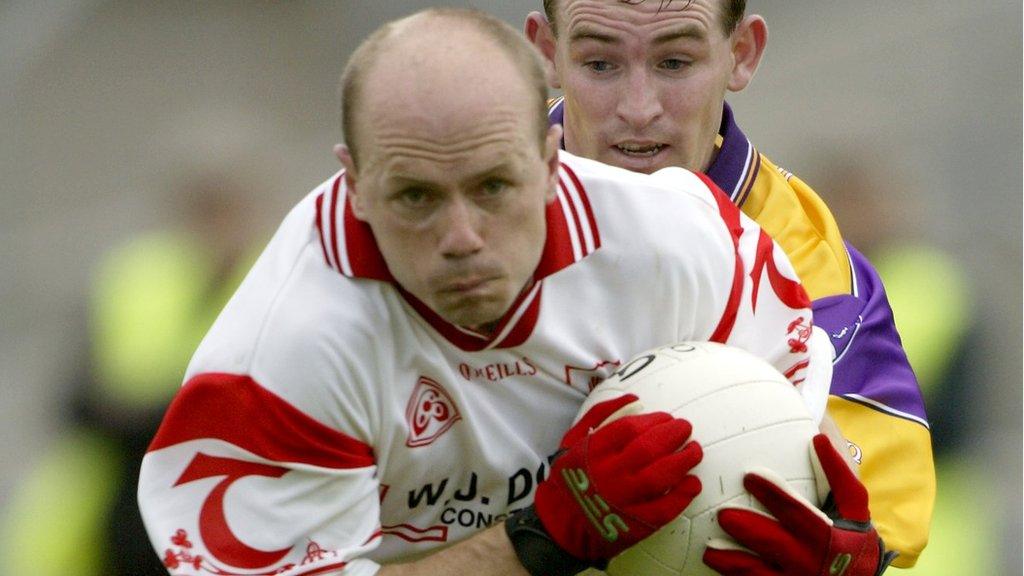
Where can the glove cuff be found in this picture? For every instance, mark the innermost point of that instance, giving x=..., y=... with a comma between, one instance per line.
x=536, y=551
x=885, y=557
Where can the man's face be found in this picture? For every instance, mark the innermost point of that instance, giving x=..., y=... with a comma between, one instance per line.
x=454, y=185
x=643, y=87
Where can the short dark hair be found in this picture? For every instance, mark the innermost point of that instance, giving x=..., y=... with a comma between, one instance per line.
x=523, y=55
x=732, y=12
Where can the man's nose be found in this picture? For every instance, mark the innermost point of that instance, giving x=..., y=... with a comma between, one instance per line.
x=461, y=235
x=639, y=105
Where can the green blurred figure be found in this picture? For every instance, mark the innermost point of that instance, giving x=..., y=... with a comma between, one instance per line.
x=151, y=301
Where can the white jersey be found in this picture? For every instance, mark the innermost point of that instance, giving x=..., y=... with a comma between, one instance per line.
x=330, y=421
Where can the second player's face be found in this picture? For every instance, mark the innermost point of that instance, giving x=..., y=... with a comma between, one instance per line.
x=644, y=83
x=458, y=210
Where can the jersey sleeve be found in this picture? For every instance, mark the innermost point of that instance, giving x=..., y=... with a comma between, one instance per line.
x=239, y=481
x=766, y=310
x=877, y=404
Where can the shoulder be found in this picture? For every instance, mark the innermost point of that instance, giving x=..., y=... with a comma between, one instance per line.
x=297, y=326
x=669, y=196
x=672, y=220
x=800, y=221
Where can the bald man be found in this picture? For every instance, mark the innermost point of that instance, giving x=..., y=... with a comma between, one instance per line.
x=391, y=382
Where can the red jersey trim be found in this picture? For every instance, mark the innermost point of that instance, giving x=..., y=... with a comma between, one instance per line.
x=322, y=569
x=410, y=533
x=587, y=211
x=790, y=292
x=361, y=248
x=523, y=327
x=731, y=216
x=320, y=228
x=514, y=328
x=332, y=215
x=236, y=409
x=791, y=372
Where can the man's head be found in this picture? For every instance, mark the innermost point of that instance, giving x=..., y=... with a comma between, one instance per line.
x=449, y=158
x=644, y=80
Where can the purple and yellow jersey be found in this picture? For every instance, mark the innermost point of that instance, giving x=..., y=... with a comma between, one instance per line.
x=875, y=399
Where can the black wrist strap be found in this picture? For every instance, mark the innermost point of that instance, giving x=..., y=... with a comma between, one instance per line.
x=536, y=551
x=885, y=557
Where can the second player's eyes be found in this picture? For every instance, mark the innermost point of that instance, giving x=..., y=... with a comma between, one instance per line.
x=674, y=64
x=413, y=197
x=599, y=65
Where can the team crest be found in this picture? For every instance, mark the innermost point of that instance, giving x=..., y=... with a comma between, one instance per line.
x=587, y=378
x=430, y=413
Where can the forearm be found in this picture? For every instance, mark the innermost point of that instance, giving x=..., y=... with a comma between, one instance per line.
x=485, y=554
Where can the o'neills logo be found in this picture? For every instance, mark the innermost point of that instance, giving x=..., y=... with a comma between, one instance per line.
x=430, y=413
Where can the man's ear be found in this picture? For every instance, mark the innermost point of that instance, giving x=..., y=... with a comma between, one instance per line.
x=538, y=31
x=351, y=176
x=551, y=145
x=748, y=44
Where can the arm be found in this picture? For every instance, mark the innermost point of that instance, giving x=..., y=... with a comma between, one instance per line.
x=618, y=477
x=767, y=311
x=877, y=405
x=488, y=553
x=223, y=490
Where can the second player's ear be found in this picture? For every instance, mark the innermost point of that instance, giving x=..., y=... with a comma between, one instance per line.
x=538, y=31
x=344, y=156
x=748, y=44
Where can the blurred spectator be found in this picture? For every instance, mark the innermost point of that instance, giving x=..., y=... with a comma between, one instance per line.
x=882, y=214
x=151, y=301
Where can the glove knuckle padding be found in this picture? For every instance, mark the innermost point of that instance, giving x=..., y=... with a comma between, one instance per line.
x=671, y=471
x=595, y=417
x=737, y=562
x=652, y=444
x=790, y=509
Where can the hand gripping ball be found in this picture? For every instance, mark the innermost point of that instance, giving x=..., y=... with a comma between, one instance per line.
x=745, y=414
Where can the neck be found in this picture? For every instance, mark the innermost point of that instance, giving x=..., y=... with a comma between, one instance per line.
x=486, y=329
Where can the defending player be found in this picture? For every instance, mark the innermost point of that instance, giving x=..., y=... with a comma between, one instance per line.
x=395, y=371
x=645, y=85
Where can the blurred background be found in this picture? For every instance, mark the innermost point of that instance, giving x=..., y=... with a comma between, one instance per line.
x=150, y=148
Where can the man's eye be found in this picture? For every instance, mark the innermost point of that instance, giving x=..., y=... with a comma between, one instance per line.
x=599, y=65
x=494, y=186
x=413, y=196
x=674, y=64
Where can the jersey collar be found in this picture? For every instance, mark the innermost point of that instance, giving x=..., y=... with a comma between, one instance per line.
x=348, y=246
x=737, y=163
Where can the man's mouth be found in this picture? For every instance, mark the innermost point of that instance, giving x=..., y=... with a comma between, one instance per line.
x=468, y=284
x=640, y=150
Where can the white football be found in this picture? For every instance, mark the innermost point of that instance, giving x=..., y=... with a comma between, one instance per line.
x=744, y=413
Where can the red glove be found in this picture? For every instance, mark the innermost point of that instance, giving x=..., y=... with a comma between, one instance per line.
x=611, y=486
x=803, y=541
